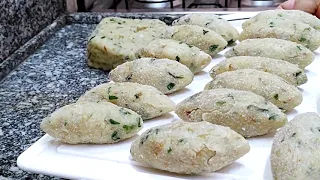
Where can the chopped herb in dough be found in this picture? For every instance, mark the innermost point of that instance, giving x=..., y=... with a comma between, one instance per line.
x=174, y=76
x=213, y=48
x=178, y=58
x=112, y=97
x=103, y=37
x=302, y=39
x=138, y=95
x=271, y=24
x=170, y=86
x=169, y=150
x=128, y=128
x=113, y=121
x=276, y=96
x=114, y=136
x=219, y=103
x=204, y=32
x=299, y=48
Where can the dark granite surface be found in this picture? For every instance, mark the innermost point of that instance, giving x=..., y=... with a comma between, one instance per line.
x=55, y=75
x=20, y=20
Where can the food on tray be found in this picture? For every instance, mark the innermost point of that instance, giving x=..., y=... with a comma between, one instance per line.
x=273, y=48
x=203, y=38
x=166, y=75
x=295, y=151
x=191, y=56
x=189, y=148
x=296, y=15
x=287, y=29
x=210, y=21
x=272, y=87
x=92, y=122
x=145, y=100
x=243, y=111
x=289, y=72
x=115, y=40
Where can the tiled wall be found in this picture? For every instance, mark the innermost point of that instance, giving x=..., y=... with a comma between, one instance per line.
x=20, y=20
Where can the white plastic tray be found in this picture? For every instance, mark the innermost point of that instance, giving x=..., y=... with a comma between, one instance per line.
x=51, y=157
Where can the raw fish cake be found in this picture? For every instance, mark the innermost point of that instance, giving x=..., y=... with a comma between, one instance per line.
x=272, y=87
x=287, y=29
x=210, y=21
x=189, y=148
x=191, y=56
x=243, y=111
x=166, y=75
x=295, y=150
x=92, y=122
x=203, y=38
x=145, y=100
x=273, y=48
x=289, y=72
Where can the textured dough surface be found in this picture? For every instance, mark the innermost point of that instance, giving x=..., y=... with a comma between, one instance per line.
x=273, y=48
x=272, y=87
x=287, y=29
x=203, y=38
x=145, y=100
x=289, y=72
x=297, y=15
x=295, y=150
x=191, y=56
x=115, y=40
x=166, y=75
x=243, y=111
x=189, y=148
x=91, y=122
x=210, y=21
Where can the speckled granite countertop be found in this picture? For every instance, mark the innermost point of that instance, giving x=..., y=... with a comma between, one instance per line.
x=54, y=75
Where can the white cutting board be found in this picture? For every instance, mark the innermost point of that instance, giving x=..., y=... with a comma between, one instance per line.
x=51, y=157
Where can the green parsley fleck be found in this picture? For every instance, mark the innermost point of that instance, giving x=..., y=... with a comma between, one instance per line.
x=276, y=96
x=128, y=128
x=112, y=97
x=178, y=58
x=204, y=32
x=170, y=86
x=213, y=48
x=220, y=103
x=271, y=24
x=169, y=150
x=299, y=48
x=298, y=73
x=273, y=117
x=302, y=39
x=114, y=136
x=174, y=76
x=65, y=123
x=113, y=121
x=103, y=37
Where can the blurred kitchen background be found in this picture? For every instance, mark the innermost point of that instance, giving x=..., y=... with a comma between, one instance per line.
x=103, y=5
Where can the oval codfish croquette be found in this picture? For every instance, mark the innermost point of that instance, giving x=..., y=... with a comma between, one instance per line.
x=287, y=29
x=189, y=148
x=297, y=15
x=203, y=38
x=210, y=21
x=289, y=72
x=146, y=100
x=243, y=111
x=272, y=87
x=191, y=56
x=295, y=150
x=273, y=48
x=91, y=122
x=166, y=75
